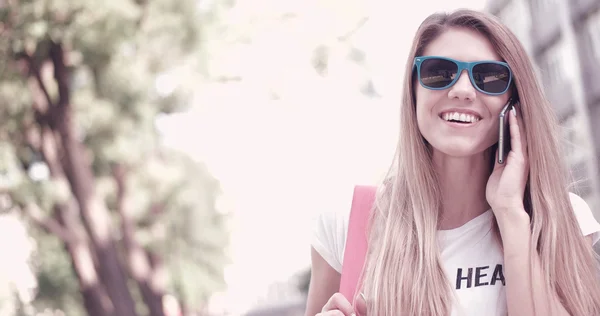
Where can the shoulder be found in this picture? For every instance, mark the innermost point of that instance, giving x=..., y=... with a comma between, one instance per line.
x=587, y=222
x=330, y=226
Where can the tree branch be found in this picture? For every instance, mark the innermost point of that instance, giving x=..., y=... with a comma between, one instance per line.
x=154, y=213
x=138, y=259
x=49, y=224
x=347, y=35
x=144, y=16
x=139, y=267
x=42, y=100
x=61, y=75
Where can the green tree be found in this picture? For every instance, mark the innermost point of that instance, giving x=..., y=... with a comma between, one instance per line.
x=125, y=220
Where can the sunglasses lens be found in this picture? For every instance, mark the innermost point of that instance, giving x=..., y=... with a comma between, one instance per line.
x=438, y=73
x=491, y=77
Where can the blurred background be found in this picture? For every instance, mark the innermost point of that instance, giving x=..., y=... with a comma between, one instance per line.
x=163, y=157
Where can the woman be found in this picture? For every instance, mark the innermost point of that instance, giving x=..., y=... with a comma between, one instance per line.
x=453, y=231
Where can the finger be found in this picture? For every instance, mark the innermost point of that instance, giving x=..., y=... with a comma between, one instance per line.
x=515, y=136
x=522, y=131
x=523, y=138
x=339, y=302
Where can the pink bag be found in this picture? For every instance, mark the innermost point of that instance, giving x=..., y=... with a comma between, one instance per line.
x=356, y=240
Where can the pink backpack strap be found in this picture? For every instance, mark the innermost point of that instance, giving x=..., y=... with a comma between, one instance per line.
x=356, y=240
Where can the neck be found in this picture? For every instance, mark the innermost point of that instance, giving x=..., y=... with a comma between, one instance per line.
x=462, y=183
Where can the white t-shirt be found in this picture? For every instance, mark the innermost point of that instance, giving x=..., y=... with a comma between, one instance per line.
x=471, y=258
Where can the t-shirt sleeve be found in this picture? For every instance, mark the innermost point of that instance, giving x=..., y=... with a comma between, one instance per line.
x=330, y=228
x=588, y=224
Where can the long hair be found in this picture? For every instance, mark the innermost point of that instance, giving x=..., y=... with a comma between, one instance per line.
x=403, y=273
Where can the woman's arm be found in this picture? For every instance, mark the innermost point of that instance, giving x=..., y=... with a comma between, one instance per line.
x=324, y=282
x=523, y=288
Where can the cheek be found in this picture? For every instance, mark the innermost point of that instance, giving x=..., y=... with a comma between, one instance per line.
x=495, y=104
x=494, y=107
x=420, y=92
x=426, y=100
x=420, y=124
x=424, y=118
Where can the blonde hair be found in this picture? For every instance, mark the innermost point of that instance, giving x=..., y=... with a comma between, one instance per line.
x=403, y=272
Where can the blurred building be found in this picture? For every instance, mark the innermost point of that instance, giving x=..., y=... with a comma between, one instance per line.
x=282, y=298
x=563, y=38
x=293, y=308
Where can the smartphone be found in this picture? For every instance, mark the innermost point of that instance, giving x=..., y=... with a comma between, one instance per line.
x=503, y=132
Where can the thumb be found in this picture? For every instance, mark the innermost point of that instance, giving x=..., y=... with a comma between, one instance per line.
x=361, y=305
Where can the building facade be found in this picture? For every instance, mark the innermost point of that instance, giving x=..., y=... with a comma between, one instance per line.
x=563, y=39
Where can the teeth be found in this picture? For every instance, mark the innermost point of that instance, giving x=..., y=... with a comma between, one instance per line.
x=462, y=117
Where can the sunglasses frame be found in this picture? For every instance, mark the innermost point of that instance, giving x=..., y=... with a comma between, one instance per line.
x=462, y=66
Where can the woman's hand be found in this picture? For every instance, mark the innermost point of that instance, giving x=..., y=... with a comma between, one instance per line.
x=506, y=186
x=338, y=305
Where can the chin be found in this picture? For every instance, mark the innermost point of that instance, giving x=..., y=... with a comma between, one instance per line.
x=458, y=150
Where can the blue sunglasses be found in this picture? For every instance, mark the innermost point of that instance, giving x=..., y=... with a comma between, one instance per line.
x=488, y=76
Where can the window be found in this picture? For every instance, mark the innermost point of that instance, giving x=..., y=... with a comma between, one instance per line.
x=544, y=13
x=516, y=16
x=573, y=140
x=558, y=65
x=567, y=57
x=539, y=6
x=550, y=68
x=557, y=70
x=593, y=30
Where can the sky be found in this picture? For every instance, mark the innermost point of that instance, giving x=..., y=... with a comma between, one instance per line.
x=281, y=162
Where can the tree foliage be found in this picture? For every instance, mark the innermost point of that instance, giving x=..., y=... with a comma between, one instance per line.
x=119, y=220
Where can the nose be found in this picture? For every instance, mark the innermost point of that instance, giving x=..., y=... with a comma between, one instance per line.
x=463, y=89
